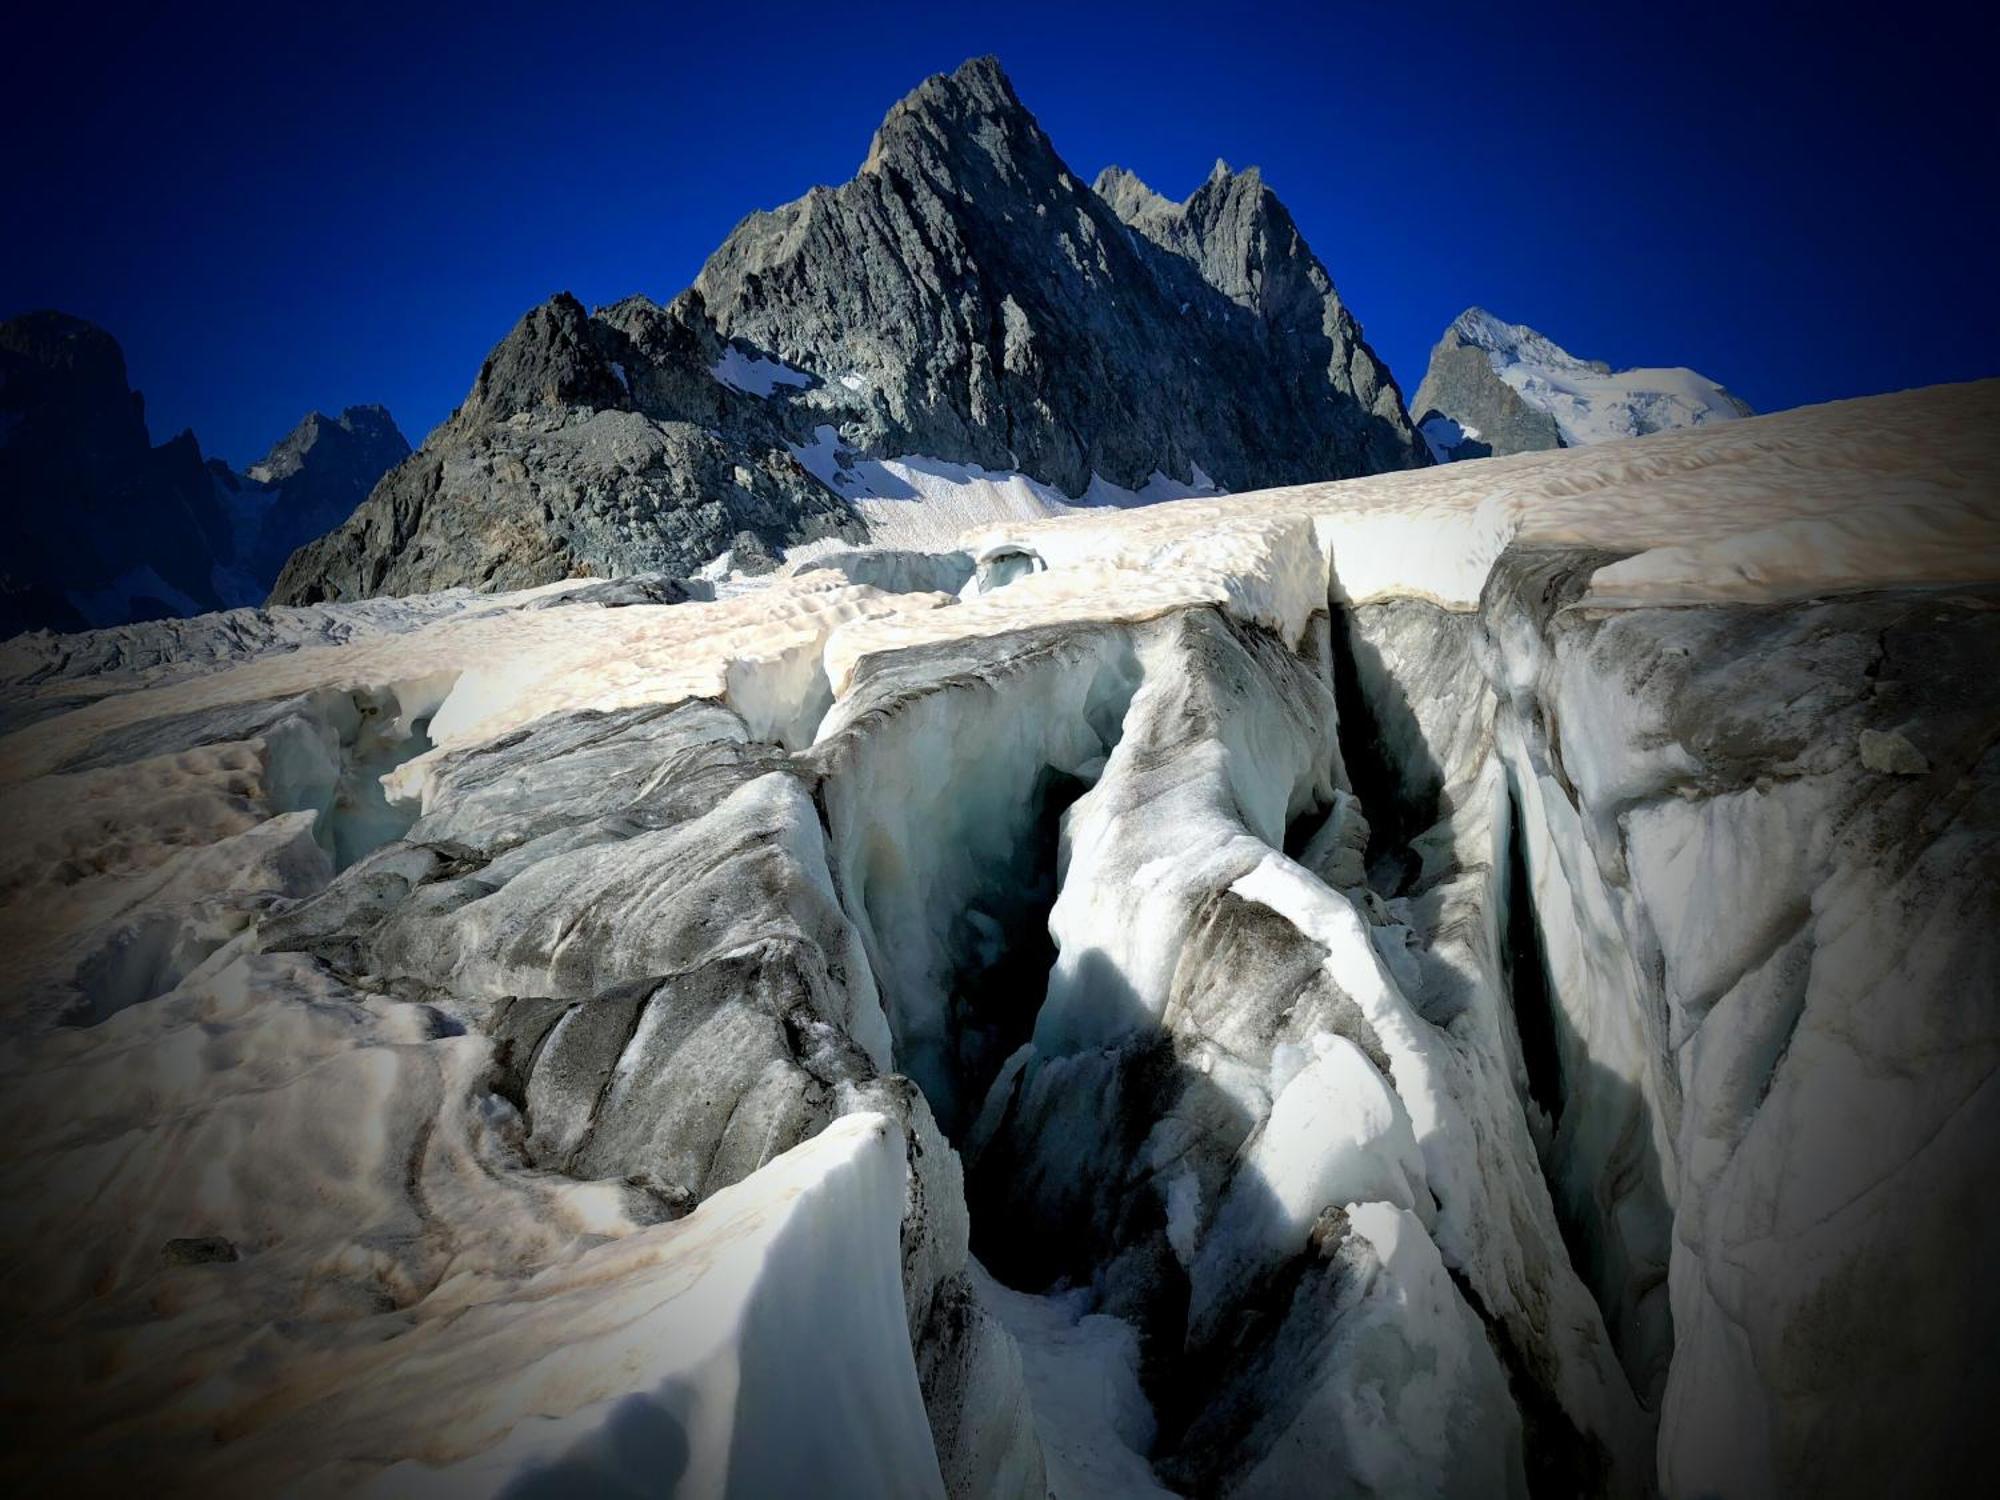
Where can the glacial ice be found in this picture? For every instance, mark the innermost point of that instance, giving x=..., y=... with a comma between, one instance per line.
x=1446, y=983
x=1081, y=1370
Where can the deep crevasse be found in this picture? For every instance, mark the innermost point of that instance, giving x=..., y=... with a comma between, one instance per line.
x=1521, y=958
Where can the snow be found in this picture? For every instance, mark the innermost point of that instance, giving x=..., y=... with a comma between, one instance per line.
x=755, y=374
x=1336, y=1135
x=1887, y=491
x=757, y=1348
x=1082, y=1371
x=1591, y=404
x=924, y=504
x=1441, y=434
x=412, y=1307
x=488, y=1325
x=1417, y=1404
x=513, y=665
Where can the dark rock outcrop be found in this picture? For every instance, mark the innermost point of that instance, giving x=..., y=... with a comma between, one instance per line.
x=1468, y=411
x=1237, y=239
x=589, y=446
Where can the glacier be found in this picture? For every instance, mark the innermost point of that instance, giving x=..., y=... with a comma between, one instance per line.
x=1469, y=981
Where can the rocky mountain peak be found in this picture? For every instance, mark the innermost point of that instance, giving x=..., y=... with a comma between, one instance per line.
x=972, y=108
x=366, y=432
x=1476, y=328
x=965, y=305
x=551, y=358
x=1128, y=196
x=104, y=526
x=1233, y=228
x=107, y=528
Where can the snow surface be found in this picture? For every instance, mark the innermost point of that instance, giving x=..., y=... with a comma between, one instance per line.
x=1441, y=434
x=923, y=503
x=754, y=374
x=513, y=665
x=1886, y=491
x=389, y=1247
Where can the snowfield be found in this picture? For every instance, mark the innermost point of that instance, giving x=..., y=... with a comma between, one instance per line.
x=1470, y=981
x=925, y=503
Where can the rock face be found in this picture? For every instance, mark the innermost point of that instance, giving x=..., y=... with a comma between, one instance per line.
x=1496, y=388
x=308, y=484
x=965, y=317
x=1406, y=986
x=106, y=529
x=1234, y=236
x=589, y=446
x=103, y=526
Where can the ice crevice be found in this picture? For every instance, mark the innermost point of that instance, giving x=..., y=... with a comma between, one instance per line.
x=1220, y=1054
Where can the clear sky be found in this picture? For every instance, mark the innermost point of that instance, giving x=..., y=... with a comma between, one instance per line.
x=278, y=207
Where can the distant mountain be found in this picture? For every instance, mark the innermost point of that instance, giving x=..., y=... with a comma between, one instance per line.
x=964, y=329
x=104, y=528
x=308, y=484
x=1495, y=388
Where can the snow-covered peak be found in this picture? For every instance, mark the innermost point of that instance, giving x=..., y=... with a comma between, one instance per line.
x=1588, y=400
x=1514, y=343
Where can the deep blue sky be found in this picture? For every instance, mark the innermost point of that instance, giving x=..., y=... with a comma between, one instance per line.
x=281, y=207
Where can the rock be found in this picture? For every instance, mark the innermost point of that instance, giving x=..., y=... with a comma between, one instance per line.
x=1888, y=752
x=1465, y=410
x=309, y=483
x=575, y=456
x=74, y=446
x=200, y=1250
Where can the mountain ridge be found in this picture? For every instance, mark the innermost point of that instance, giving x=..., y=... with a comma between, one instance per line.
x=965, y=305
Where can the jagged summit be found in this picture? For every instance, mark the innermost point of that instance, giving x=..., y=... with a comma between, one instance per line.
x=1495, y=388
x=1515, y=342
x=1128, y=194
x=973, y=105
x=73, y=353
x=964, y=325
x=1112, y=350
x=368, y=425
